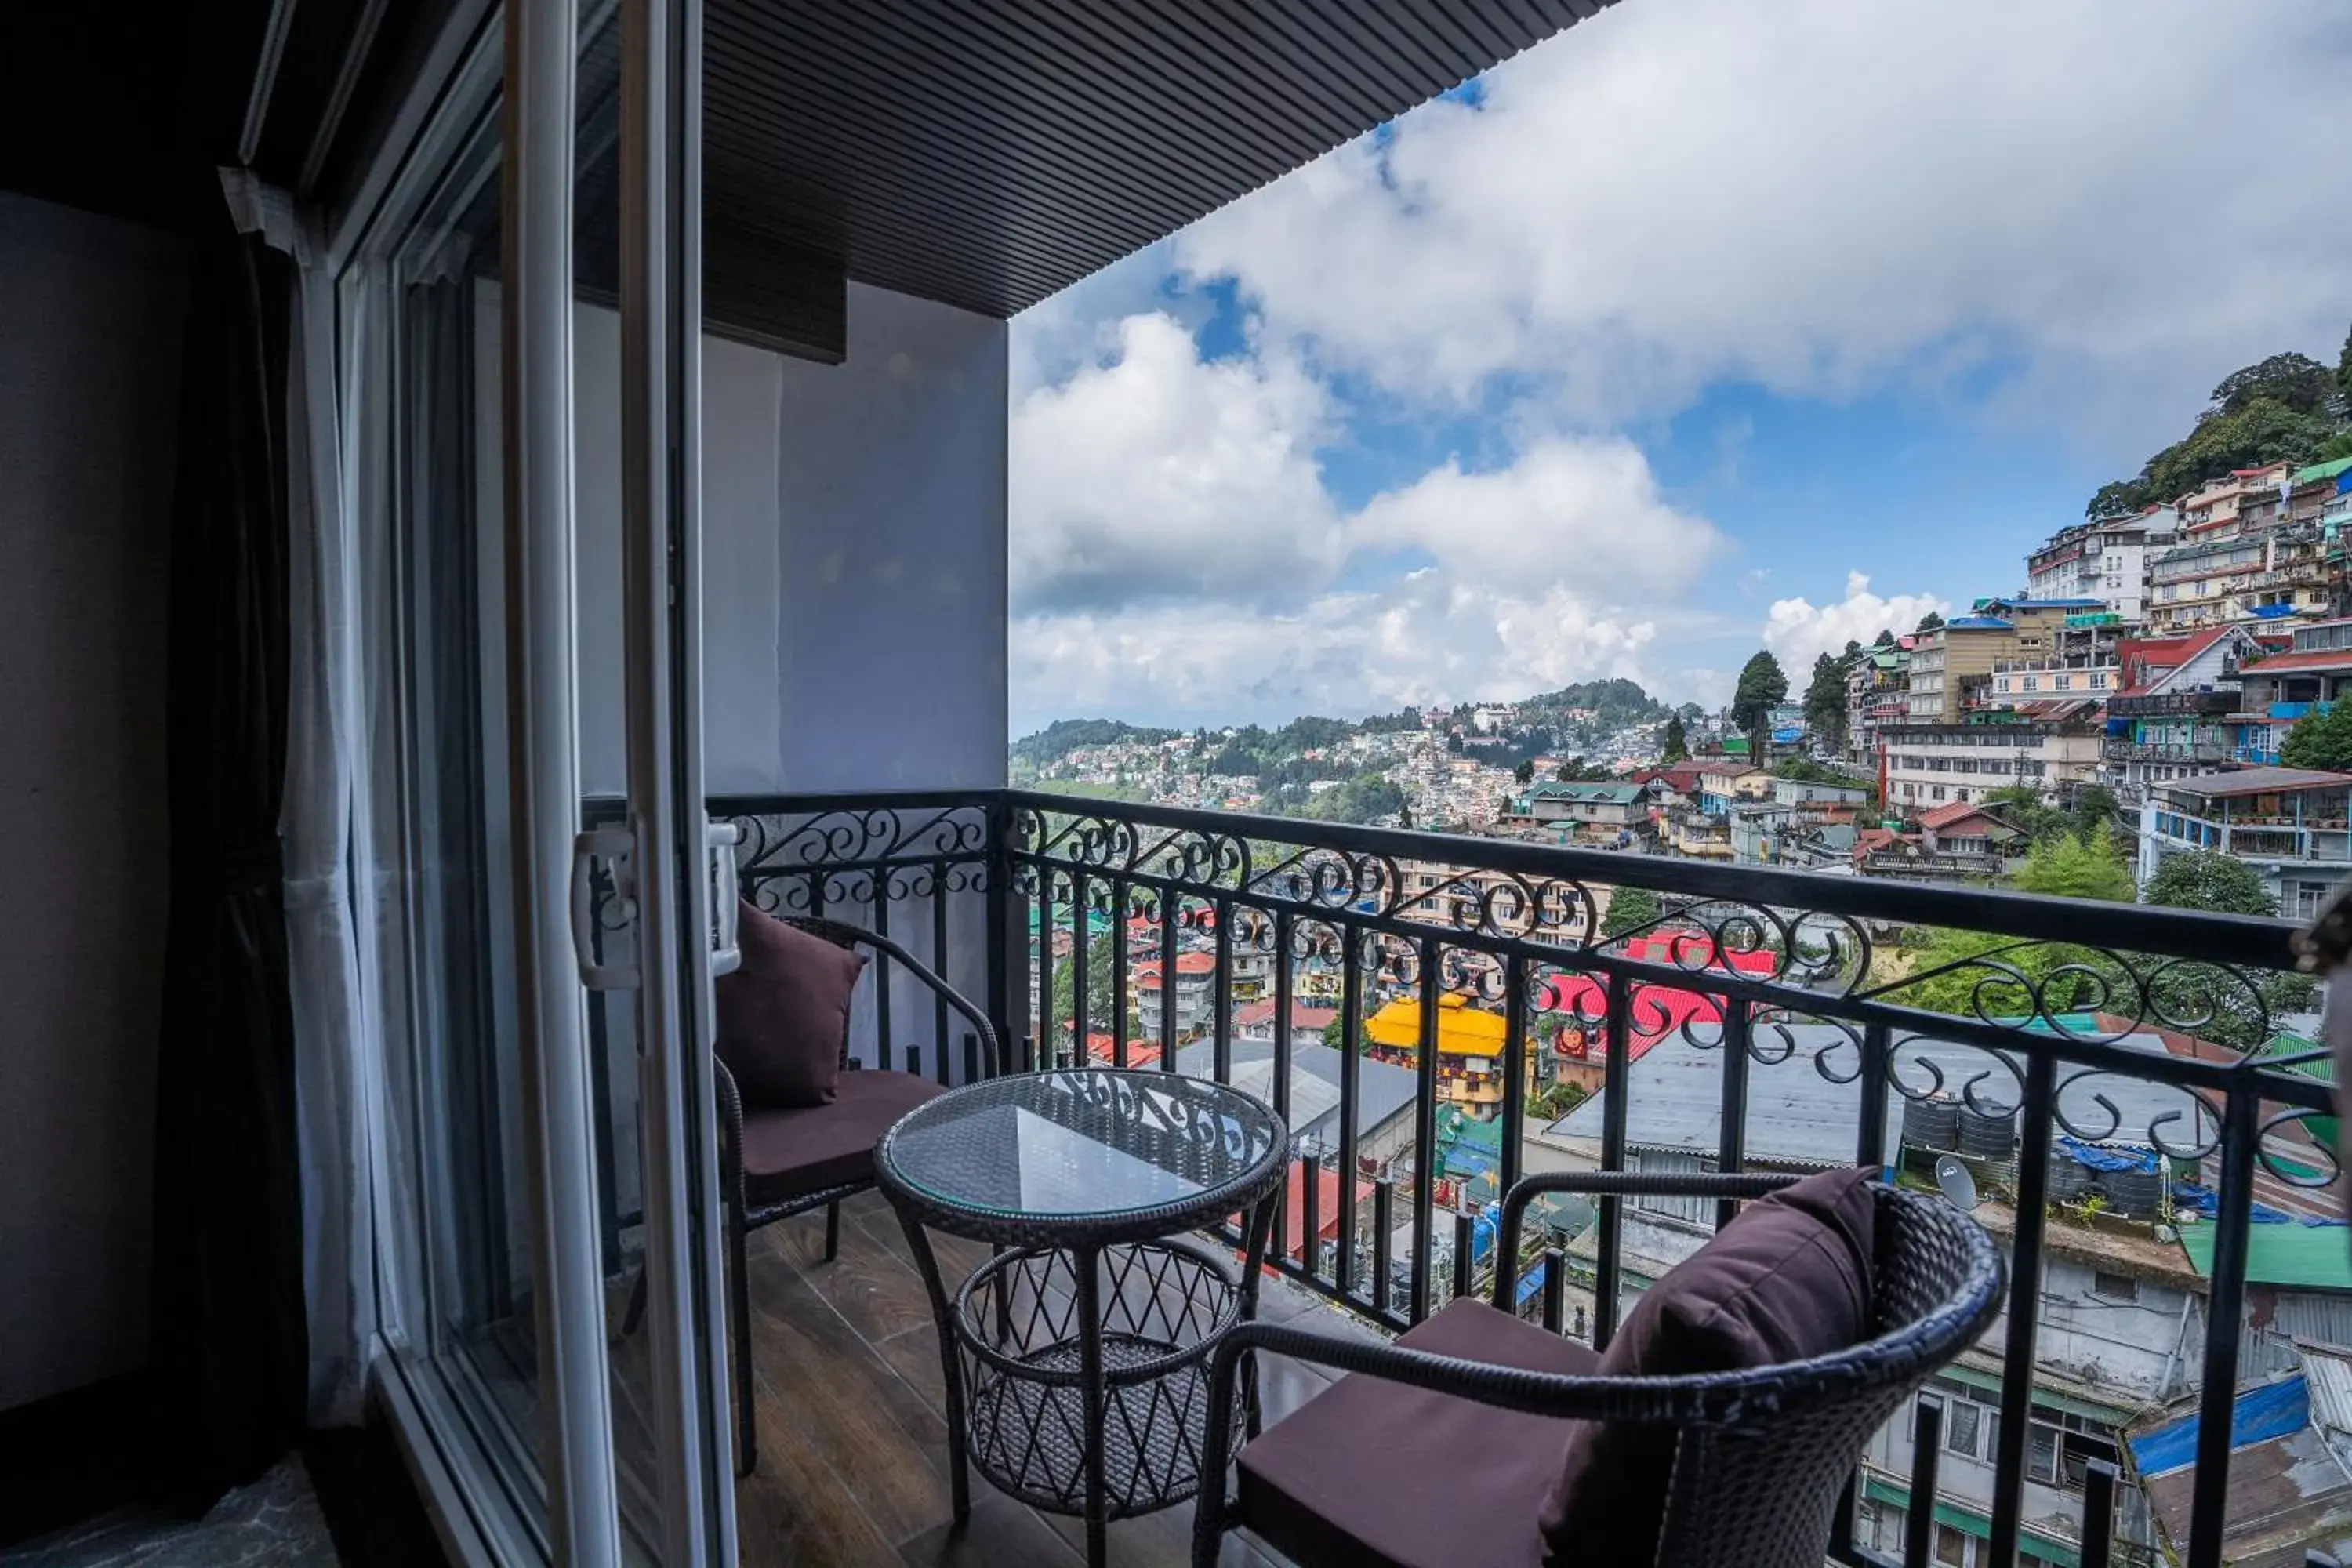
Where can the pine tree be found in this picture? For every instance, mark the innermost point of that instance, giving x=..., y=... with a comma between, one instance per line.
x=1678, y=746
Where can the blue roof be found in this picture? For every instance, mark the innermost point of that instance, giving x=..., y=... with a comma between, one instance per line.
x=1979, y=623
x=2257, y=1415
x=2023, y=603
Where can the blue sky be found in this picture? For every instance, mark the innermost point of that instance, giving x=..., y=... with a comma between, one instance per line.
x=1701, y=327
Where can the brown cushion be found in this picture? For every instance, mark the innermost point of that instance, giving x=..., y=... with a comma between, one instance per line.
x=1383, y=1474
x=783, y=1016
x=1789, y=1277
x=788, y=1154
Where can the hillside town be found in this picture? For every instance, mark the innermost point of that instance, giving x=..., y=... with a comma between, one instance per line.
x=2152, y=672
x=2163, y=688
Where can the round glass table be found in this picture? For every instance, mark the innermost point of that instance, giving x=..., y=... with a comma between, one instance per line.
x=1077, y=1360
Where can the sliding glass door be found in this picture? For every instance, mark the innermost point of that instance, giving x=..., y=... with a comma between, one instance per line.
x=542, y=884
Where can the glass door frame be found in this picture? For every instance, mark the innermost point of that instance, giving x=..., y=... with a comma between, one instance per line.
x=678, y=877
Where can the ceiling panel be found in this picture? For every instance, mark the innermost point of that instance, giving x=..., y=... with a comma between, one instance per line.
x=989, y=154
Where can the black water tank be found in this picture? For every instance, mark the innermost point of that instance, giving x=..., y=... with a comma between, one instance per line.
x=2136, y=1194
x=1932, y=1123
x=1986, y=1137
x=2068, y=1176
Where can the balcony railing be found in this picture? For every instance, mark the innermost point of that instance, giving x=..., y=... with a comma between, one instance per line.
x=1823, y=1027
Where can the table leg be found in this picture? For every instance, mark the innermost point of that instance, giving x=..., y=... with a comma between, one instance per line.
x=1260, y=1224
x=1086, y=1263
x=918, y=1242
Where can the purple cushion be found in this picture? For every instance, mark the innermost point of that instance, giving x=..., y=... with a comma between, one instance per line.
x=1388, y=1476
x=790, y=1154
x=784, y=1016
x=1789, y=1277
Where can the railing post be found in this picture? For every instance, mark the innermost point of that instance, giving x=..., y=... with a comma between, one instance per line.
x=1515, y=1072
x=2098, y=1513
x=1352, y=1040
x=1616, y=1068
x=1002, y=903
x=2224, y=1318
x=1424, y=1161
x=1464, y=1237
x=2024, y=1305
x=940, y=963
x=1731, y=1142
x=1384, y=1221
x=1919, y=1511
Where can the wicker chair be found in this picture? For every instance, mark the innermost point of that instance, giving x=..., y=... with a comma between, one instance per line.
x=775, y=1163
x=1761, y=1456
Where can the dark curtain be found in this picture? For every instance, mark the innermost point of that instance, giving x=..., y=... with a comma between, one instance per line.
x=227, y=1338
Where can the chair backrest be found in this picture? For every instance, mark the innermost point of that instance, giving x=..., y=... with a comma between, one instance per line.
x=1759, y=1488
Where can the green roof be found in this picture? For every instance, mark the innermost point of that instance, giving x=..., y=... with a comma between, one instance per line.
x=2300, y=1256
x=1611, y=794
x=2321, y=471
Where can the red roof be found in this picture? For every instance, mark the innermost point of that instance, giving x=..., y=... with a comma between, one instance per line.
x=2147, y=660
x=2318, y=659
x=1139, y=1052
x=1148, y=975
x=1326, y=1206
x=1945, y=817
x=1681, y=777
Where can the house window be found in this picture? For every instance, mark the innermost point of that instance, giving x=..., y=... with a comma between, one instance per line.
x=1951, y=1547
x=2113, y=1286
x=1961, y=1421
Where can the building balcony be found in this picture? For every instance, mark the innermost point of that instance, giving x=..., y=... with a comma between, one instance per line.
x=1767, y=1019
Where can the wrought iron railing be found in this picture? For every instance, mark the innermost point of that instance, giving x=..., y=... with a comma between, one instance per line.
x=1539, y=976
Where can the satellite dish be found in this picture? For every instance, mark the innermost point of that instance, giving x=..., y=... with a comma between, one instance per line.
x=1958, y=1187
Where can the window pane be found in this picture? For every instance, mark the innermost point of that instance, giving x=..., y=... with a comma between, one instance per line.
x=1960, y=1428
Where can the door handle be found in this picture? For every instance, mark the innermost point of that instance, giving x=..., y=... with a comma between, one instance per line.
x=726, y=884
x=618, y=848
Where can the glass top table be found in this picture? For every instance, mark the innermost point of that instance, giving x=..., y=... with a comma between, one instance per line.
x=1077, y=1360
x=1089, y=1155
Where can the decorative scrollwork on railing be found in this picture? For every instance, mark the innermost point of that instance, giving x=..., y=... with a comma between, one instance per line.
x=860, y=836
x=2089, y=994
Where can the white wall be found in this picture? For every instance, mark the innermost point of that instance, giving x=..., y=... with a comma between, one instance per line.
x=853, y=561
x=891, y=500
x=90, y=319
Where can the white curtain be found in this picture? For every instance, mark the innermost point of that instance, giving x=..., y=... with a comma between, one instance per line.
x=324, y=734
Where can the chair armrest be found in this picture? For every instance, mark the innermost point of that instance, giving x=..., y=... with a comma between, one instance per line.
x=858, y=936
x=1607, y=1184
x=731, y=1135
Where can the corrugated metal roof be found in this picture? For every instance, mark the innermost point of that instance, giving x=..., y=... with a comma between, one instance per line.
x=987, y=155
x=2297, y=1256
x=1797, y=1117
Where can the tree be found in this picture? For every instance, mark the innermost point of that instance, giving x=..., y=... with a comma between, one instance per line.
x=2295, y=381
x=1453, y=741
x=1678, y=746
x=1630, y=909
x=1525, y=773
x=1825, y=701
x=2344, y=378
x=2077, y=866
x=2116, y=497
x=1852, y=648
x=2321, y=741
x=1100, y=1002
x=1886, y=638
x=1929, y=621
x=1763, y=685
x=2336, y=446
x=2211, y=880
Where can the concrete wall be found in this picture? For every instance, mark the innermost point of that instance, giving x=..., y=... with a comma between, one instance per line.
x=854, y=520
x=90, y=323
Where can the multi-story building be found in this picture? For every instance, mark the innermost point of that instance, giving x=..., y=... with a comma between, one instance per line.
x=2168, y=719
x=2289, y=824
x=1929, y=765
x=1196, y=975
x=2106, y=561
x=1723, y=785
x=2257, y=546
x=1469, y=1049
x=1957, y=659
x=2083, y=660
x=1878, y=693
x=1595, y=811
x=2278, y=688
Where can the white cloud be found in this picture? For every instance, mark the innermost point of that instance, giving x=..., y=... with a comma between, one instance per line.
x=1821, y=194
x=1176, y=556
x=1797, y=632
x=1152, y=474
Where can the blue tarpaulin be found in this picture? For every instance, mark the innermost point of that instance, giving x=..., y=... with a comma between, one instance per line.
x=2207, y=1202
x=2258, y=1415
x=2100, y=1157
